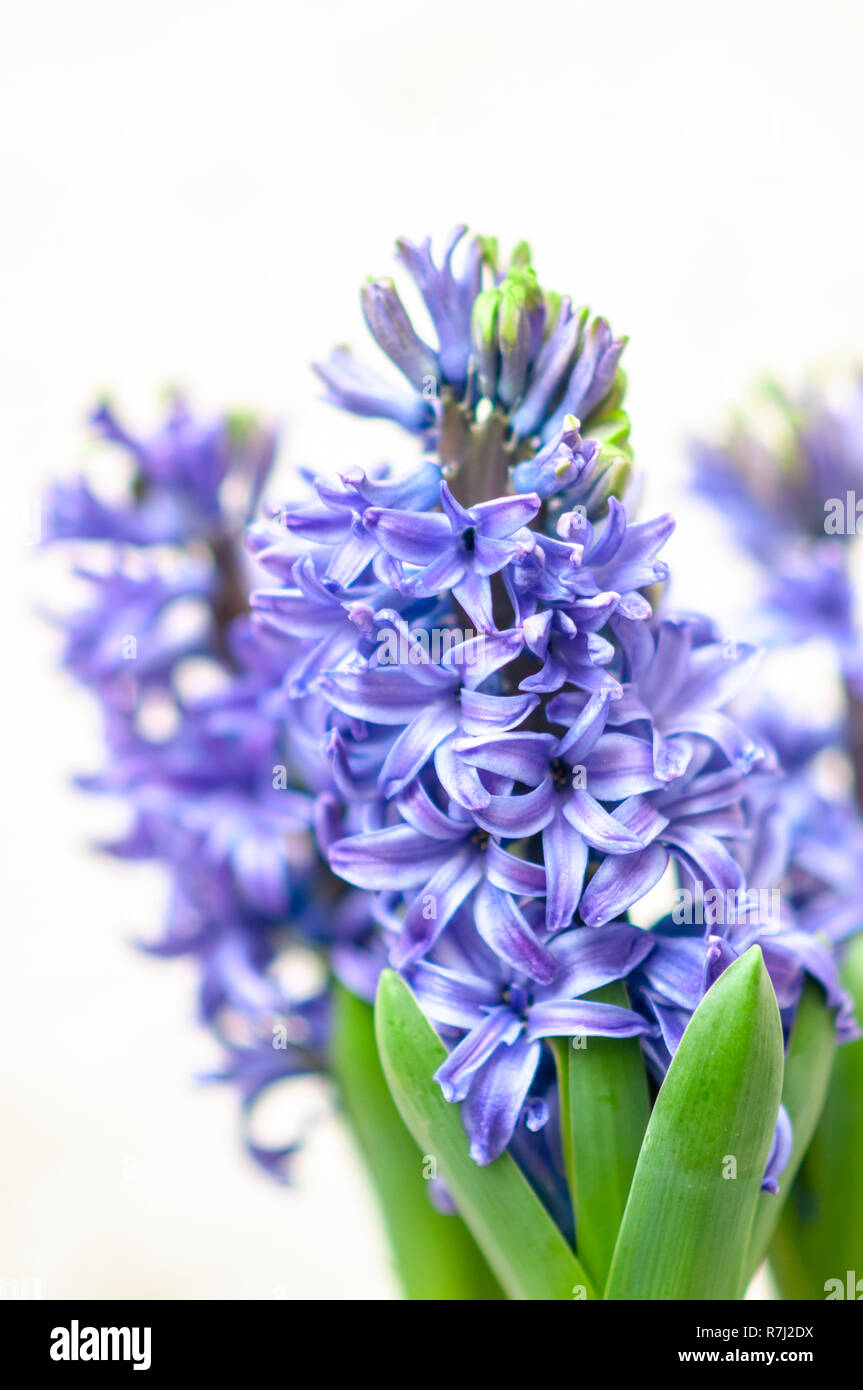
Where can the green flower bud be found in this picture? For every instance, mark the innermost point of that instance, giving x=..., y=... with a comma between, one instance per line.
x=484, y=338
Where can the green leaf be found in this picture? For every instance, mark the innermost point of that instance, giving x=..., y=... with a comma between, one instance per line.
x=808, y=1061
x=820, y=1233
x=604, y=1112
x=436, y=1256
x=522, y=1244
x=686, y=1226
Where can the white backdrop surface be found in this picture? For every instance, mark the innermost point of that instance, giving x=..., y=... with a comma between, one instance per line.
x=192, y=194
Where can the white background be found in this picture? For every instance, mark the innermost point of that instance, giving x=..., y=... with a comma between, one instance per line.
x=192, y=192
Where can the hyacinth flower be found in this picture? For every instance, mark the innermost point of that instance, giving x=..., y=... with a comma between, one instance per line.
x=510, y=364
x=462, y=751
x=793, y=475
x=188, y=749
x=507, y=1013
x=223, y=792
x=788, y=479
x=524, y=745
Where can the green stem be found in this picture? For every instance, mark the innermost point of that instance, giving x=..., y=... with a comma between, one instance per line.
x=604, y=1112
x=820, y=1232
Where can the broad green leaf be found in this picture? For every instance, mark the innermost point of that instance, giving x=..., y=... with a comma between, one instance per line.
x=604, y=1113
x=807, y=1071
x=436, y=1256
x=686, y=1227
x=522, y=1244
x=820, y=1233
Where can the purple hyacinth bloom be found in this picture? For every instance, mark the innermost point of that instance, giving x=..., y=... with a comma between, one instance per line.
x=780, y=1152
x=565, y=806
x=437, y=859
x=431, y=703
x=336, y=621
x=564, y=462
x=263, y=1061
x=476, y=827
x=449, y=296
x=793, y=495
x=812, y=595
x=122, y=642
x=177, y=480
x=504, y=346
x=504, y=1017
x=459, y=548
x=777, y=477
x=696, y=821
x=203, y=788
x=678, y=684
x=337, y=520
x=353, y=386
x=457, y=731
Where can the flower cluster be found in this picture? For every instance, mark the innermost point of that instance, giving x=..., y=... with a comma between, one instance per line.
x=789, y=477
x=522, y=744
x=449, y=723
x=165, y=645
x=510, y=364
x=793, y=481
x=790, y=480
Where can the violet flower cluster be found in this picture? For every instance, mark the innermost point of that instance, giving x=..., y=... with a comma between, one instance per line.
x=164, y=644
x=791, y=482
x=789, y=479
x=522, y=744
x=461, y=733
